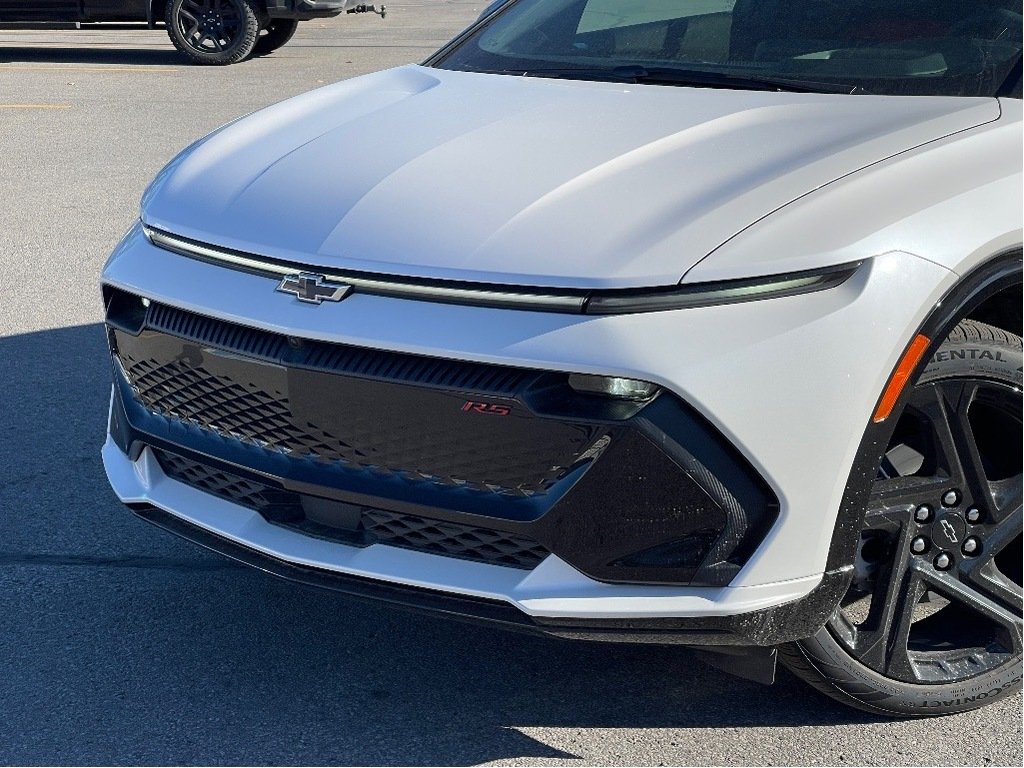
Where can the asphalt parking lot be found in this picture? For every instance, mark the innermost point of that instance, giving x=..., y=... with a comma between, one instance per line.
x=120, y=644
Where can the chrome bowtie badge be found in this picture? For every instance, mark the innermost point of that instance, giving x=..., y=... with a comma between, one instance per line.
x=313, y=289
x=949, y=530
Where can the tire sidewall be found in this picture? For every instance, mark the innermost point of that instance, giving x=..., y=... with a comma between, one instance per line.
x=975, y=359
x=867, y=689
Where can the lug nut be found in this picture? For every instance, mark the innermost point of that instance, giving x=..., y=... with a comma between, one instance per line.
x=951, y=498
x=973, y=515
x=971, y=545
x=919, y=545
x=943, y=561
x=923, y=513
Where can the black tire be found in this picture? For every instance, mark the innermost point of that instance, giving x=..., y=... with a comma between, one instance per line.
x=275, y=34
x=888, y=650
x=213, y=32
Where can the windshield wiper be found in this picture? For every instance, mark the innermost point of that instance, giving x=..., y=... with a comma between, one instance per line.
x=688, y=77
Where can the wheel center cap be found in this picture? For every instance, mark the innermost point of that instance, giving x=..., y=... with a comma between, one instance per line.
x=949, y=531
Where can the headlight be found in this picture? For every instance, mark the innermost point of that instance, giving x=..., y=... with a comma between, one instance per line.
x=690, y=296
x=610, y=386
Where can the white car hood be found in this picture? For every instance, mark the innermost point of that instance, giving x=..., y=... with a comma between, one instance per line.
x=428, y=173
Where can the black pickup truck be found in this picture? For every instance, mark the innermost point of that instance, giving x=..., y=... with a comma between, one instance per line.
x=207, y=31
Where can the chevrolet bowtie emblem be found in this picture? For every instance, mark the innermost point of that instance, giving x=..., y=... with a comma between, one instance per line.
x=313, y=289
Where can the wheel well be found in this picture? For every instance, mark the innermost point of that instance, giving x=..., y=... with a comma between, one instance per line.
x=1002, y=310
x=157, y=10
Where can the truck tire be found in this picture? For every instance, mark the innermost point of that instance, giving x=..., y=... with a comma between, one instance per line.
x=213, y=31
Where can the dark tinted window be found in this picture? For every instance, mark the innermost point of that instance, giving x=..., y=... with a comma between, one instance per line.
x=914, y=47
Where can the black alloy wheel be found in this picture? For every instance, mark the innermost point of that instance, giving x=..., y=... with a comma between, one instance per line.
x=213, y=31
x=932, y=622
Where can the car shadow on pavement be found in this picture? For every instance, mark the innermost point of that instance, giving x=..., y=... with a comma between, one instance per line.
x=120, y=644
x=124, y=56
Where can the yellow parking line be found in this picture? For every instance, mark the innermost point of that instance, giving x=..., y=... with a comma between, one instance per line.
x=134, y=70
x=35, y=106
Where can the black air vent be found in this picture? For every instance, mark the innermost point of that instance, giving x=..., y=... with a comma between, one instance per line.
x=339, y=358
x=375, y=526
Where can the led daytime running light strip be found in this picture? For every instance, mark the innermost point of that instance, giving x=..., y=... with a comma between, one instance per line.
x=592, y=302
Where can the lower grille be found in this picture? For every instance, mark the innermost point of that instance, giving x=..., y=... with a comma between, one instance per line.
x=374, y=526
x=453, y=539
x=263, y=498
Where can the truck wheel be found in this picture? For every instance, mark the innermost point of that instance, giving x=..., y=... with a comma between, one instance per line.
x=932, y=623
x=275, y=34
x=213, y=31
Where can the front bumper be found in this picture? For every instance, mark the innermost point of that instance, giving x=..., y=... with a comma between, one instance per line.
x=489, y=463
x=766, y=627
x=788, y=382
x=552, y=594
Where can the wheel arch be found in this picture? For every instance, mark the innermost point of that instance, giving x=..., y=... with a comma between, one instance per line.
x=1002, y=309
x=156, y=11
x=990, y=292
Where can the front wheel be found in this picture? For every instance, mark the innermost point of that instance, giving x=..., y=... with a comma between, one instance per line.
x=932, y=621
x=213, y=31
x=275, y=34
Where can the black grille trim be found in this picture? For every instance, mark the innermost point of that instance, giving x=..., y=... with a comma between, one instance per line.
x=339, y=358
x=229, y=380
x=376, y=526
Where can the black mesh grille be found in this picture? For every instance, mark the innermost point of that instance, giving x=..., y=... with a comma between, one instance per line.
x=272, y=502
x=351, y=409
x=193, y=394
x=377, y=525
x=452, y=539
x=222, y=484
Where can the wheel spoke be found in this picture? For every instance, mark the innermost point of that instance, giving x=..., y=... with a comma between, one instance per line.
x=1006, y=530
x=881, y=642
x=930, y=401
x=945, y=406
x=1006, y=497
x=987, y=579
x=972, y=468
x=958, y=591
x=981, y=572
x=897, y=659
x=890, y=517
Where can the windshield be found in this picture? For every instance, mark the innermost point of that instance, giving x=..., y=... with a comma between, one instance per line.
x=898, y=47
